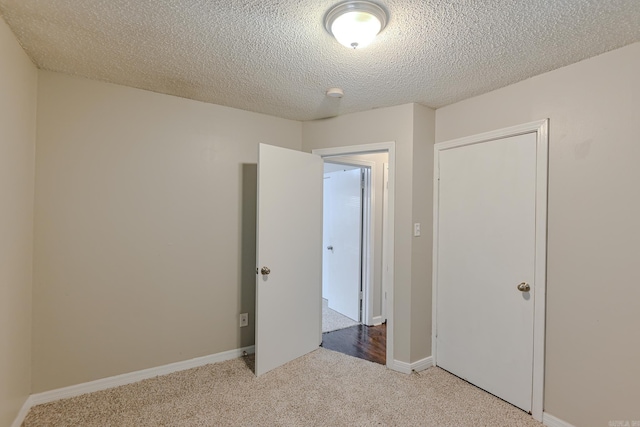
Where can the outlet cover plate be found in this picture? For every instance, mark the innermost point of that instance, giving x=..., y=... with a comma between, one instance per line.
x=244, y=320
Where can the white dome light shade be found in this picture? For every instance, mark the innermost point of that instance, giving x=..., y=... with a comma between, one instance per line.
x=355, y=24
x=355, y=29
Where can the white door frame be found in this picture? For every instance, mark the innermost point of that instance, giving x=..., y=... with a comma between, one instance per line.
x=390, y=148
x=385, y=231
x=539, y=127
x=367, y=240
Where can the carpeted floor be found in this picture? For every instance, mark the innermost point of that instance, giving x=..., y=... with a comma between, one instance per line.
x=332, y=320
x=323, y=388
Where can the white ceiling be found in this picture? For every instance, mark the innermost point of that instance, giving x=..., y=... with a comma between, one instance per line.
x=275, y=57
x=336, y=167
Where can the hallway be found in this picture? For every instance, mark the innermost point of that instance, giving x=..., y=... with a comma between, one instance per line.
x=365, y=342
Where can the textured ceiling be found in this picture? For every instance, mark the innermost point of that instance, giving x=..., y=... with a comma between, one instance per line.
x=274, y=56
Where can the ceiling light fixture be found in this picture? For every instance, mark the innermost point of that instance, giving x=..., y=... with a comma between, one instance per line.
x=355, y=23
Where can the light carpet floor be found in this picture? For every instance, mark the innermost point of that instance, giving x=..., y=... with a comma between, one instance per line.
x=332, y=320
x=323, y=388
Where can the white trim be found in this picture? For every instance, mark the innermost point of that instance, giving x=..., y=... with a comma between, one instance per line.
x=530, y=127
x=22, y=414
x=389, y=147
x=407, y=368
x=385, y=231
x=132, y=377
x=422, y=364
x=377, y=320
x=354, y=149
x=124, y=379
x=551, y=421
x=540, y=268
x=540, y=127
x=367, y=243
x=399, y=366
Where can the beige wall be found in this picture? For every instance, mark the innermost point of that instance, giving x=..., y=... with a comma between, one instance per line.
x=385, y=125
x=593, y=319
x=424, y=123
x=144, y=250
x=18, y=91
x=142, y=228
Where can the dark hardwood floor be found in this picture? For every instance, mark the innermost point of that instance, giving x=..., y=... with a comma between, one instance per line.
x=366, y=342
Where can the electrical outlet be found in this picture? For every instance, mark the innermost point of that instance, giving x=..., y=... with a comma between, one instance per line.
x=416, y=229
x=244, y=319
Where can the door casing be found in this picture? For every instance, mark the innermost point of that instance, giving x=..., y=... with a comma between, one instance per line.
x=541, y=129
x=385, y=232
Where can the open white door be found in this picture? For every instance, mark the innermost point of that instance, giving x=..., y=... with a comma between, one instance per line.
x=289, y=245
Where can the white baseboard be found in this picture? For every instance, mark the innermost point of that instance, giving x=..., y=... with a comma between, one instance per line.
x=407, y=368
x=377, y=320
x=28, y=403
x=422, y=364
x=551, y=421
x=399, y=366
x=124, y=379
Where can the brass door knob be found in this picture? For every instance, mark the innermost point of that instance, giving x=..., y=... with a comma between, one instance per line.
x=265, y=271
x=524, y=287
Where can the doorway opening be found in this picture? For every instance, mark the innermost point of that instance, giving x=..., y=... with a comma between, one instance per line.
x=344, y=268
x=357, y=250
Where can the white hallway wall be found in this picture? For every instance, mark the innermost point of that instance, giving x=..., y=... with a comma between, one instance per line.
x=593, y=320
x=18, y=89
